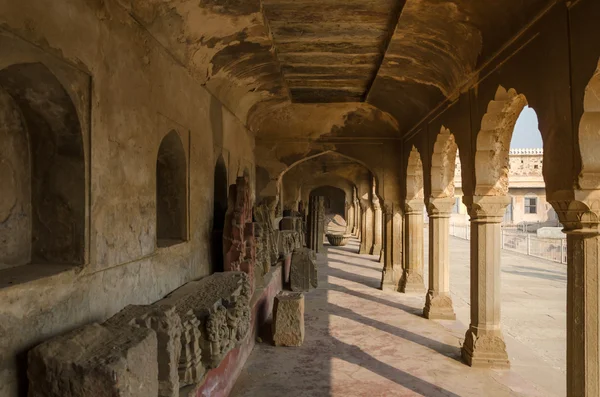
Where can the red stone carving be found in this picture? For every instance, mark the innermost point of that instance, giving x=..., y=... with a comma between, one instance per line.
x=239, y=248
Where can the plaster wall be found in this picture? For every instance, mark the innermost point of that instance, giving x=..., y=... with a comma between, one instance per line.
x=131, y=95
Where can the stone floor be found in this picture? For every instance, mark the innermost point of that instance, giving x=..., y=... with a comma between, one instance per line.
x=361, y=341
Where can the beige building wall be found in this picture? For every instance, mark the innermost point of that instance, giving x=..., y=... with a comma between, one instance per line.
x=526, y=188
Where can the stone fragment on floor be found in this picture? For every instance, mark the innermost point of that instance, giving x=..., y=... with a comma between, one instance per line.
x=95, y=360
x=288, y=319
x=303, y=272
x=166, y=323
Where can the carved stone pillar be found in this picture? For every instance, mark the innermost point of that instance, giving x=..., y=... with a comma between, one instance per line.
x=438, y=303
x=397, y=242
x=484, y=344
x=315, y=224
x=377, y=228
x=366, y=241
x=388, y=276
x=349, y=218
x=412, y=276
x=581, y=219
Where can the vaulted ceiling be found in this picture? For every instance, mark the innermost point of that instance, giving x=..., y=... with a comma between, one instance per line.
x=399, y=57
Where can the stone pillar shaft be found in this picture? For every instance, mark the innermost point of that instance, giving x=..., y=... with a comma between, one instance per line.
x=412, y=277
x=377, y=228
x=349, y=218
x=388, y=277
x=438, y=303
x=484, y=344
x=367, y=235
x=583, y=321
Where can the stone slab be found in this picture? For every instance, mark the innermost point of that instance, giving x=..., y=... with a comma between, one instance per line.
x=288, y=319
x=303, y=272
x=95, y=360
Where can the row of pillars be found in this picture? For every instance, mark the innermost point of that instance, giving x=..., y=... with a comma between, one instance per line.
x=401, y=241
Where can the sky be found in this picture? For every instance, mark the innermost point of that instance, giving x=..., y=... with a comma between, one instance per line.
x=526, y=133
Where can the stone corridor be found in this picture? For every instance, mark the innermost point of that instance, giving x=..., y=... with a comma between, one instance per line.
x=361, y=341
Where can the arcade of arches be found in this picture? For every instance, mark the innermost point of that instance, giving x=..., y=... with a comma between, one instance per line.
x=151, y=150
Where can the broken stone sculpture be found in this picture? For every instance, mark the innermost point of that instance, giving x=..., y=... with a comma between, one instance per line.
x=239, y=249
x=288, y=319
x=266, y=249
x=166, y=323
x=95, y=360
x=215, y=317
x=303, y=273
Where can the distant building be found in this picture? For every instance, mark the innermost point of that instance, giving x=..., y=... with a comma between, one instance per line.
x=525, y=186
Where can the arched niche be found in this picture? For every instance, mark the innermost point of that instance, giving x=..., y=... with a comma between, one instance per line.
x=443, y=164
x=171, y=191
x=589, y=132
x=414, y=176
x=219, y=210
x=42, y=170
x=493, y=142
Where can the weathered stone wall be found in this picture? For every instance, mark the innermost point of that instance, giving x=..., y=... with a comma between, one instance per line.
x=134, y=94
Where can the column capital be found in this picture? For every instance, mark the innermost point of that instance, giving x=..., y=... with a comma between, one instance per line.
x=578, y=211
x=388, y=209
x=364, y=204
x=440, y=207
x=376, y=205
x=488, y=209
x=413, y=207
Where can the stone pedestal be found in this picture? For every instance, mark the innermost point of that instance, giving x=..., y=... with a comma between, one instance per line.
x=484, y=344
x=366, y=242
x=95, y=360
x=438, y=303
x=412, y=276
x=288, y=319
x=377, y=228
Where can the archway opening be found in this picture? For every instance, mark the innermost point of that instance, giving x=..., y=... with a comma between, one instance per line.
x=42, y=170
x=171, y=191
x=509, y=163
x=335, y=208
x=219, y=210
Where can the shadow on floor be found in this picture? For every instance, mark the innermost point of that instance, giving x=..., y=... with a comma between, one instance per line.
x=317, y=368
x=396, y=305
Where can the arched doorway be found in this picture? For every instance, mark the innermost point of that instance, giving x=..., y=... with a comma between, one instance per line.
x=219, y=210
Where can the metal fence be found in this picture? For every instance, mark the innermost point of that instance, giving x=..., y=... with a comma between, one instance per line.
x=552, y=249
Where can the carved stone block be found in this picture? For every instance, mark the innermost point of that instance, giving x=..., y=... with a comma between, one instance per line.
x=95, y=360
x=166, y=323
x=215, y=316
x=288, y=319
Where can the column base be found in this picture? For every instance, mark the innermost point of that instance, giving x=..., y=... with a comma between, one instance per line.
x=412, y=282
x=388, y=282
x=375, y=250
x=438, y=307
x=485, y=351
